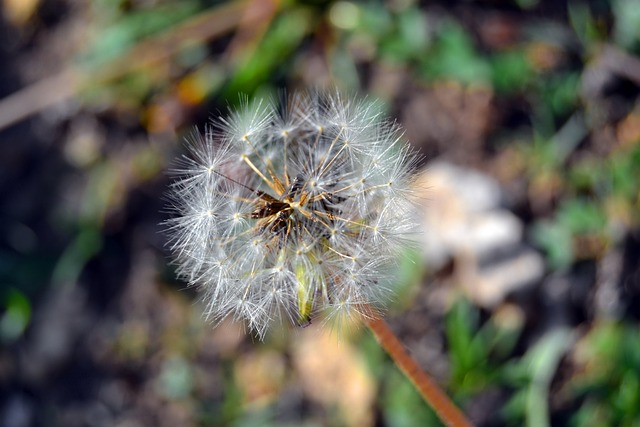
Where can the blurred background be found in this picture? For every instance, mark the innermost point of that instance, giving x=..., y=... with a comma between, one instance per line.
x=524, y=303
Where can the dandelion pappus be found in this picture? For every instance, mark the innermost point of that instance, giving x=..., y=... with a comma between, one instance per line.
x=287, y=210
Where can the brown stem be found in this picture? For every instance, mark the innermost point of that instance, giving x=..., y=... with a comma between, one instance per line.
x=431, y=393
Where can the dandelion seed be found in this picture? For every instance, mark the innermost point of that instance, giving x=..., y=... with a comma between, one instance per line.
x=289, y=211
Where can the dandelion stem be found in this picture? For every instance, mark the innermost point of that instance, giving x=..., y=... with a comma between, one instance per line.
x=431, y=393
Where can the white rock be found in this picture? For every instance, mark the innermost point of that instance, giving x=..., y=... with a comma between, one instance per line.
x=465, y=222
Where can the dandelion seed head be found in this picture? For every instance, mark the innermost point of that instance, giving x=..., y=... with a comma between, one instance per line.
x=289, y=210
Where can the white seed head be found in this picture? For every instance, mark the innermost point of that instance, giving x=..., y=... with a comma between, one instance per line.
x=288, y=211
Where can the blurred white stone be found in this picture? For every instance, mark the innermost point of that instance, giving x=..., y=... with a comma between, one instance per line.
x=464, y=222
x=478, y=192
x=490, y=285
x=490, y=231
x=462, y=214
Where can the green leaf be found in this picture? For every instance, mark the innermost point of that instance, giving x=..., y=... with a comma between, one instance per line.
x=627, y=22
x=16, y=317
x=556, y=240
x=125, y=30
x=403, y=406
x=582, y=216
x=543, y=360
x=455, y=57
x=510, y=71
x=583, y=23
x=285, y=34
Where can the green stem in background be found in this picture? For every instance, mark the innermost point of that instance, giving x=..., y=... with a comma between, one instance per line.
x=446, y=410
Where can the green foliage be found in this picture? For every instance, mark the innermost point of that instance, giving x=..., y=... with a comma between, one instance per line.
x=375, y=21
x=275, y=49
x=410, y=270
x=608, y=382
x=403, y=406
x=574, y=218
x=620, y=175
x=610, y=182
x=581, y=217
x=558, y=97
x=16, y=316
x=557, y=242
x=409, y=38
x=176, y=378
x=478, y=356
x=627, y=22
x=532, y=374
x=454, y=56
x=232, y=405
x=510, y=71
x=120, y=29
x=476, y=351
x=527, y=4
x=85, y=246
x=584, y=24
x=559, y=94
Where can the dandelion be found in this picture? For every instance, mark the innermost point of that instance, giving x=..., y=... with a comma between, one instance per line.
x=293, y=210
x=289, y=211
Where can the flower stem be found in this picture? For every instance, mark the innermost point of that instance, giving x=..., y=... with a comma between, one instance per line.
x=446, y=410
